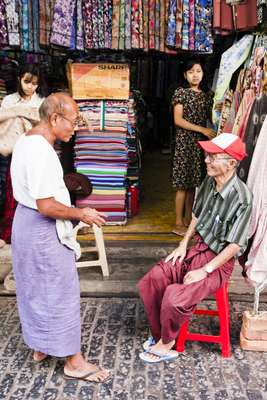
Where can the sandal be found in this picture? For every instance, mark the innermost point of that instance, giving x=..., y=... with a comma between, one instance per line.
x=85, y=376
x=169, y=356
x=179, y=230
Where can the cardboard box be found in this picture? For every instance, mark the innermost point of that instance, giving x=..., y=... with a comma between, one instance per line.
x=256, y=322
x=102, y=81
x=253, y=345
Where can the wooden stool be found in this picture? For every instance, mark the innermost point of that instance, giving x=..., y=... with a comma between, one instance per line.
x=99, y=248
x=224, y=318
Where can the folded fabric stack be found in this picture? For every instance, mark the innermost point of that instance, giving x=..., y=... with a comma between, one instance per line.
x=101, y=154
x=2, y=89
x=133, y=141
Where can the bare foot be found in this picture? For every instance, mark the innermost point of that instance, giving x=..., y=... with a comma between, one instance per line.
x=179, y=230
x=39, y=356
x=2, y=243
x=77, y=368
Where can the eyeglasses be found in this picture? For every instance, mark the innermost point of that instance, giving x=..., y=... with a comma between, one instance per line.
x=213, y=159
x=74, y=123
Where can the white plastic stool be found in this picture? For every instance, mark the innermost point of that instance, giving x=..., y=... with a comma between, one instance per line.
x=99, y=248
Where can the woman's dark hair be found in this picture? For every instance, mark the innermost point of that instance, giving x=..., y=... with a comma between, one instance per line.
x=187, y=65
x=34, y=70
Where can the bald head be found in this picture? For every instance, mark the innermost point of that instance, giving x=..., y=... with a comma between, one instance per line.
x=58, y=103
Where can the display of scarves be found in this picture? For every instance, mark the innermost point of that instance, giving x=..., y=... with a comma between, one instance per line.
x=185, y=25
x=179, y=22
x=80, y=26
x=230, y=62
x=203, y=22
x=151, y=18
x=12, y=18
x=171, y=26
x=122, y=25
x=115, y=24
x=248, y=97
x=157, y=24
x=62, y=24
x=87, y=10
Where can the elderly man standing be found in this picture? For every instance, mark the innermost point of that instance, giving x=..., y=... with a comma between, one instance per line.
x=173, y=288
x=43, y=246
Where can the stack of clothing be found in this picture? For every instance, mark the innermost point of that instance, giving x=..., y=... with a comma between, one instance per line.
x=101, y=154
x=3, y=91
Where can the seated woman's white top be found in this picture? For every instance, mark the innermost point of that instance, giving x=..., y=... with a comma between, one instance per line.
x=15, y=98
x=36, y=174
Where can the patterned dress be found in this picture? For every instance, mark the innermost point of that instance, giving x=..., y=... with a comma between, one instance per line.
x=188, y=163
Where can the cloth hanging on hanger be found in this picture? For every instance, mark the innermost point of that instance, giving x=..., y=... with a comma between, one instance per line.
x=122, y=25
x=80, y=26
x=87, y=9
x=230, y=62
x=146, y=24
x=256, y=265
x=128, y=24
x=3, y=26
x=179, y=24
x=253, y=129
x=151, y=18
x=191, y=24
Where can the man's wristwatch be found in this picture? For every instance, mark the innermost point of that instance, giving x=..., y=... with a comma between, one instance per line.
x=208, y=269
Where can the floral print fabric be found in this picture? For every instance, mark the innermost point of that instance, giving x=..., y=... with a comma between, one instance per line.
x=188, y=163
x=62, y=23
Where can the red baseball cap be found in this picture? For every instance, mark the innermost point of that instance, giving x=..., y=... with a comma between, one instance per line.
x=225, y=143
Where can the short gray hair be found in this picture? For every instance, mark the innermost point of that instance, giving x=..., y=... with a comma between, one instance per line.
x=54, y=103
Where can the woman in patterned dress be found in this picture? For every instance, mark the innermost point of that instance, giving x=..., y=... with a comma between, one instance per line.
x=192, y=107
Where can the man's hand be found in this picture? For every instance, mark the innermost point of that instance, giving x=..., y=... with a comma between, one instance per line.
x=195, y=276
x=90, y=216
x=178, y=253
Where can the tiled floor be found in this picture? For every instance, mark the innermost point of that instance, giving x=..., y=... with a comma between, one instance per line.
x=113, y=330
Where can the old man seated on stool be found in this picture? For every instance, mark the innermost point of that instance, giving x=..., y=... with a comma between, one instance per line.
x=173, y=288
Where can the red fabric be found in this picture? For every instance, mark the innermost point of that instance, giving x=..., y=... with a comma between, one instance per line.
x=168, y=302
x=9, y=210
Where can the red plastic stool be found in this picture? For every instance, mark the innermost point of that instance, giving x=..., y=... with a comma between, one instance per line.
x=224, y=317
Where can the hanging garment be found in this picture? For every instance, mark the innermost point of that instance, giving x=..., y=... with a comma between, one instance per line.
x=12, y=16
x=42, y=23
x=256, y=265
x=25, y=25
x=122, y=26
x=254, y=125
x=35, y=26
x=185, y=25
x=95, y=23
x=191, y=24
x=225, y=113
x=242, y=129
x=203, y=18
x=162, y=26
x=135, y=24
x=87, y=9
x=157, y=24
x=248, y=97
x=115, y=24
x=128, y=24
x=3, y=26
x=146, y=24
x=151, y=18
x=80, y=26
x=179, y=22
x=230, y=62
x=171, y=27
x=62, y=23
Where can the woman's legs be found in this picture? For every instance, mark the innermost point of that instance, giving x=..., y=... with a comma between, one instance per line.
x=189, y=201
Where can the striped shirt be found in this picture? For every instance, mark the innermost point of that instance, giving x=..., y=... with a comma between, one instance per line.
x=223, y=217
